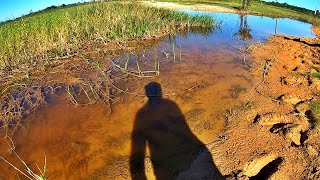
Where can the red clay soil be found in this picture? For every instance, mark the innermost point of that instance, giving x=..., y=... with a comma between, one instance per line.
x=275, y=120
x=316, y=29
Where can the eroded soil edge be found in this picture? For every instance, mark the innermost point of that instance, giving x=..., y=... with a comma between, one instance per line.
x=275, y=134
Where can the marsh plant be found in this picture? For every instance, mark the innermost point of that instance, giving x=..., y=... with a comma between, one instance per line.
x=28, y=173
x=46, y=51
x=37, y=39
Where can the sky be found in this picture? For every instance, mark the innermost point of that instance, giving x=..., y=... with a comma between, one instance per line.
x=11, y=9
x=309, y=4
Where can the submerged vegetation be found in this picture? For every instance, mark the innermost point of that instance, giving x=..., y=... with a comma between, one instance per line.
x=36, y=39
x=50, y=51
x=272, y=9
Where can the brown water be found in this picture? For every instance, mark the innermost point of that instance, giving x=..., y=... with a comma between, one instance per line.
x=83, y=142
x=89, y=142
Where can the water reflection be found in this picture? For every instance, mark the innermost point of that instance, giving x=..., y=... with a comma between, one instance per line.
x=197, y=31
x=244, y=31
x=161, y=126
x=234, y=31
x=261, y=27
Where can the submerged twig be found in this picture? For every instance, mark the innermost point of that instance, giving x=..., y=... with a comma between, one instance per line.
x=29, y=173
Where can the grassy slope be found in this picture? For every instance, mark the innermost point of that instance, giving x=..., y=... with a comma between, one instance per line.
x=35, y=39
x=258, y=7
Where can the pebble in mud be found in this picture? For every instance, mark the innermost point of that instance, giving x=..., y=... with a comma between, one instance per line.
x=253, y=168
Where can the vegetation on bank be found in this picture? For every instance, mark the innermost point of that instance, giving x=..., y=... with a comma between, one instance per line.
x=272, y=9
x=34, y=40
x=315, y=107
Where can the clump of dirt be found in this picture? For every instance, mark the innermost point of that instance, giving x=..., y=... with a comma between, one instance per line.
x=274, y=138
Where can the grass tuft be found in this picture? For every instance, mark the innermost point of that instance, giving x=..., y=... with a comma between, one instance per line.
x=315, y=108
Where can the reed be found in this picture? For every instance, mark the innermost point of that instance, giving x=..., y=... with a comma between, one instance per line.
x=36, y=40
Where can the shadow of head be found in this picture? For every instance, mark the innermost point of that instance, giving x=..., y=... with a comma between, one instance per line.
x=153, y=90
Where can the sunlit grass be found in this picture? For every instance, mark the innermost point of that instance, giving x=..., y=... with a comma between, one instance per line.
x=258, y=7
x=36, y=39
x=315, y=107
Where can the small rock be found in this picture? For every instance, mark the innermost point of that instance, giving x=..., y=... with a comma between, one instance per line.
x=294, y=136
x=294, y=132
x=302, y=108
x=290, y=99
x=303, y=124
x=254, y=167
x=272, y=119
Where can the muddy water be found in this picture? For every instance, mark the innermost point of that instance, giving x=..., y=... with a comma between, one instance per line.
x=205, y=79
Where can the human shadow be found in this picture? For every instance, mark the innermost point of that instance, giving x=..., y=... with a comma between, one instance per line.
x=161, y=126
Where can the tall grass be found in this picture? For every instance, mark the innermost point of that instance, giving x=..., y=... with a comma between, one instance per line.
x=34, y=40
x=260, y=7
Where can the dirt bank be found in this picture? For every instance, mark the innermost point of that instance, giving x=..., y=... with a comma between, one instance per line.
x=274, y=130
x=316, y=29
x=197, y=7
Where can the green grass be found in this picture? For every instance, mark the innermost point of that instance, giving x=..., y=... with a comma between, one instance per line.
x=261, y=8
x=34, y=40
x=315, y=75
x=308, y=74
x=315, y=108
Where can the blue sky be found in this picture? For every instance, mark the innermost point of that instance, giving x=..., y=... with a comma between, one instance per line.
x=309, y=4
x=10, y=9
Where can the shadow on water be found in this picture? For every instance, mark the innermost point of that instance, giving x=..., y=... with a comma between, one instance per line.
x=161, y=126
x=261, y=27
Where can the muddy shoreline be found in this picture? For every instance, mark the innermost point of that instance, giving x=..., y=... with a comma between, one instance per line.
x=276, y=129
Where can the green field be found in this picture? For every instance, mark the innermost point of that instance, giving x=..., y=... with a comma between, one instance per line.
x=261, y=8
x=34, y=40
